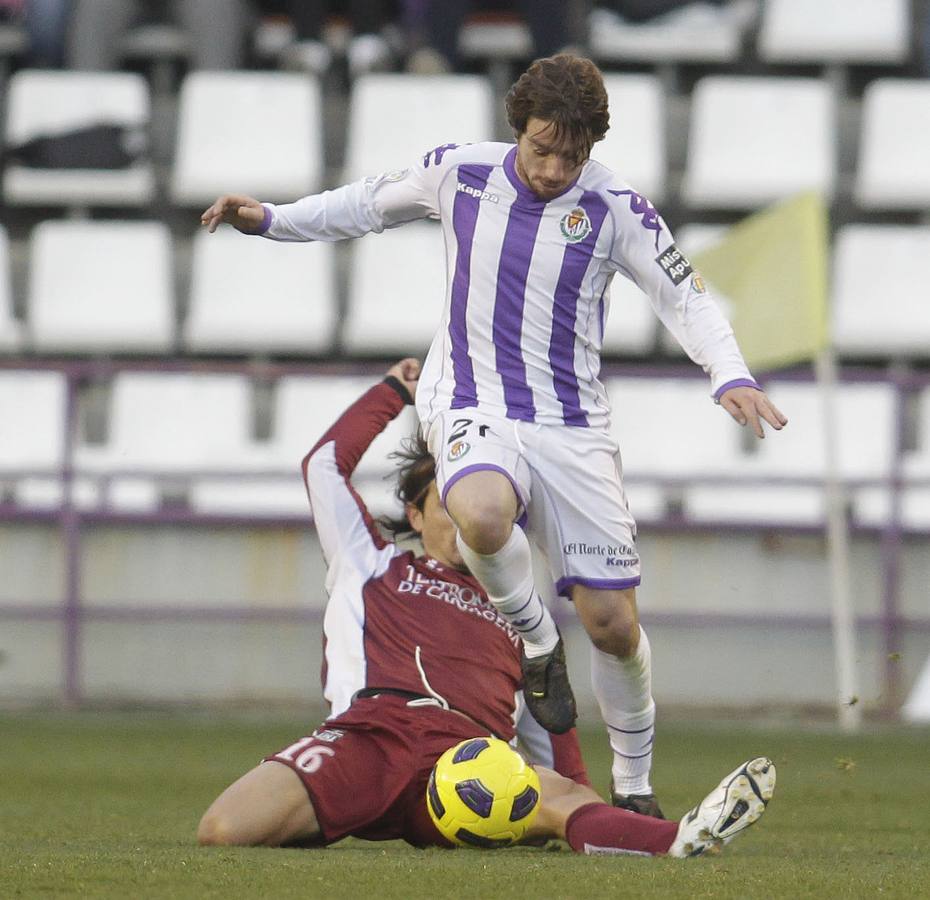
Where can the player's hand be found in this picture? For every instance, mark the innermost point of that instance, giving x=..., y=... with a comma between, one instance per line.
x=750, y=405
x=243, y=213
x=407, y=371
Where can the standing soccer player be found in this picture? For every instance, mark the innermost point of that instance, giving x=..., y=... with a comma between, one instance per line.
x=514, y=413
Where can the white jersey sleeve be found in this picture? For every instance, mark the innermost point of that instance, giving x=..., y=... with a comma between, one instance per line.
x=370, y=204
x=644, y=251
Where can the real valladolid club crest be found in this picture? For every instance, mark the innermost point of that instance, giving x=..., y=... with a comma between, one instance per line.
x=575, y=225
x=458, y=450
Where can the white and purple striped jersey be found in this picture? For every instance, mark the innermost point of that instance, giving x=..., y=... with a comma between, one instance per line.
x=527, y=290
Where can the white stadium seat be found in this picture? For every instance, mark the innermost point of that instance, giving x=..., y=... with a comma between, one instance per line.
x=840, y=31
x=258, y=133
x=395, y=119
x=397, y=286
x=634, y=147
x=48, y=103
x=865, y=428
x=878, y=307
x=251, y=295
x=305, y=406
x=668, y=428
x=171, y=422
x=101, y=286
x=894, y=145
x=10, y=328
x=756, y=140
x=630, y=327
x=698, y=32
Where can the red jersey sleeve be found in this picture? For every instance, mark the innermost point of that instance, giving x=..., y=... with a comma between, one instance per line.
x=348, y=534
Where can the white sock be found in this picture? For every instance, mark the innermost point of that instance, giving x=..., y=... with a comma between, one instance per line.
x=507, y=576
x=623, y=688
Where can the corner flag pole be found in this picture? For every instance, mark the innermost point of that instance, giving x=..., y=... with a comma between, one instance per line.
x=842, y=617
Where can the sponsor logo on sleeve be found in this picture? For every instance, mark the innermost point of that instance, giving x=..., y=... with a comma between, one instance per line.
x=675, y=264
x=640, y=206
x=575, y=225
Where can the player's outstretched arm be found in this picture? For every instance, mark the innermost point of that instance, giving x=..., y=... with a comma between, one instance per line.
x=243, y=213
x=407, y=371
x=750, y=405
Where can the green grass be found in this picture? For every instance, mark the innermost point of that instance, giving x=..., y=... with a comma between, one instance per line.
x=105, y=805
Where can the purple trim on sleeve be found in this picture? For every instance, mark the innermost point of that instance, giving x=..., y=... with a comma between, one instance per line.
x=266, y=221
x=738, y=382
x=509, y=300
x=491, y=468
x=601, y=584
x=575, y=261
x=464, y=217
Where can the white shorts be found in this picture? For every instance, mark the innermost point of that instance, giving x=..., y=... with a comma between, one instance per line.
x=568, y=481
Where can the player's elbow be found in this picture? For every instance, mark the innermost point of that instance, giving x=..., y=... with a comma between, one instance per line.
x=216, y=830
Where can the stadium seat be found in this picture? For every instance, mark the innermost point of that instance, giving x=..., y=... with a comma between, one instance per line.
x=101, y=286
x=10, y=328
x=258, y=133
x=250, y=295
x=305, y=406
x=668, y=429
x=636, y=152
x=881, y=264
x=835, y=31
x=49, y=103
x=894, y=146
x=32, y=439
x=865, y=420
x=695, y=33
x=874, y=505
x=412, y=114
x=756, y=140
x=397, y=284
x=630, y=328
x=172, y=423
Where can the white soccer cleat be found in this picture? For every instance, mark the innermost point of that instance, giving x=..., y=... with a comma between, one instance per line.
x=737, y=802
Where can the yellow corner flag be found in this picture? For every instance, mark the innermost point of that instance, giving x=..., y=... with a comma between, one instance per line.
x=771, y=271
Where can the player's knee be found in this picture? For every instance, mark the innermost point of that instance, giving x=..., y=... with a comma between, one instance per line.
x=615, y=632
x=216, y=830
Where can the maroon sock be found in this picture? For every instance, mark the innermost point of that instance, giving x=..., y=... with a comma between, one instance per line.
x=599, y=828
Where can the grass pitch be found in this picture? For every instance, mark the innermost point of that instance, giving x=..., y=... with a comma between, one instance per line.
x=106, y=805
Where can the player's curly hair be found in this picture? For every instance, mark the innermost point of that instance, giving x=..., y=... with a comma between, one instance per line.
x=416, y=471
x=566, y=90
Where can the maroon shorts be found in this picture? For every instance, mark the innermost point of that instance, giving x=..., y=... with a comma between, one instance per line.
x=366, y=770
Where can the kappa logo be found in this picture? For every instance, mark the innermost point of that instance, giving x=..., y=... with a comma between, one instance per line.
x=675, y=264
x=477, y=192
x=575, y=225
x=458, y=450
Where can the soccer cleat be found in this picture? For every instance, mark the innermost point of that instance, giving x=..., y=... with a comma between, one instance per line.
x=547, y=691
x=644, y=804
x=737, y=802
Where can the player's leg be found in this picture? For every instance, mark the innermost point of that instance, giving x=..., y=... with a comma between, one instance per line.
x=267, y=806
x=581, y=515
x=621, y=677
x=575, y=813
x=484, y=485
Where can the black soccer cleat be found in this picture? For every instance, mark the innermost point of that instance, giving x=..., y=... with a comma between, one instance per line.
x=547, y=691
x=644, y=804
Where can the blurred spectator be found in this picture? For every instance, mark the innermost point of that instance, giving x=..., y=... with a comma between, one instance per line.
x=367, y=50
x=47, y=27
x=217, y=30
x=439, y=23
x=644, y=10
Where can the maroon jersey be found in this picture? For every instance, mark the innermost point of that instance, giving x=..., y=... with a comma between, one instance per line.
x=394, y=619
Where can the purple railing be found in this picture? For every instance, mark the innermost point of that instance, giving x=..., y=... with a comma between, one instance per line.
x=71, y=520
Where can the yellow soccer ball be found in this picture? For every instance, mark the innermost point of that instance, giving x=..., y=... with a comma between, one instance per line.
x=482, y=793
